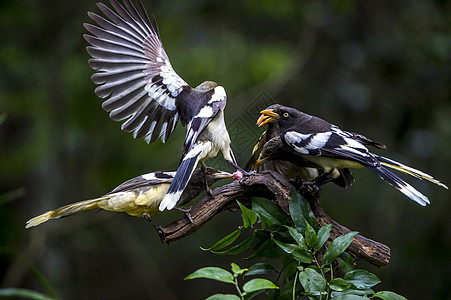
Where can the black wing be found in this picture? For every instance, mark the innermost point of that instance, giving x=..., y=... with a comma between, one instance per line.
x=145, y=180
x=334, y=144
x=215, y=102
x=133, y=71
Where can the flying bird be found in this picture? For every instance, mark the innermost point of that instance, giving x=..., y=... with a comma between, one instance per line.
x=140, y=196
x=311, y=138
x=141, y=89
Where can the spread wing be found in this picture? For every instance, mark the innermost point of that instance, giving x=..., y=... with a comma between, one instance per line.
x=133, y=71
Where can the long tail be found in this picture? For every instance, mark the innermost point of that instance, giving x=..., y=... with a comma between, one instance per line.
x=65, y=211
x=400, y=185
x=408, y=170
x=181, y=178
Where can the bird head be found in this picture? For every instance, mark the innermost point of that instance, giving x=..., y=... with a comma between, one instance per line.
x=211, y=175
x=272, y=149
x=286, y=116
x=206, y=86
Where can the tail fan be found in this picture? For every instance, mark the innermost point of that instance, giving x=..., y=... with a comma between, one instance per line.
x=65, y=211
x=400, y=185
x=408, y=170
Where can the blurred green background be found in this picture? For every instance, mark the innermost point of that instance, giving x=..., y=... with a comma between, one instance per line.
x=380, y=68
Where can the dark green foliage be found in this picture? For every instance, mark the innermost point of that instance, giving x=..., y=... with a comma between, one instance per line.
x=297, y=249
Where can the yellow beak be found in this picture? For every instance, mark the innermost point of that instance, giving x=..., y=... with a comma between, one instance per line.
x=267, y=116
x=222, y=175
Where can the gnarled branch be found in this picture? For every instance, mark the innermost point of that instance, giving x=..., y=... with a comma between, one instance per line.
x=272, y=186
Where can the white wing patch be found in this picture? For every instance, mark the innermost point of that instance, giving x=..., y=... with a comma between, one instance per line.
x=151, y=176
x=157, y=93
x=355, y=147
x=350, y=142
x=205, y=112
x=292, y=137
x=173, y=81
x=163, y=132
x=338, y=131
x=197, y=149
x=218, y=95
x=351, y=145
x=319, y=140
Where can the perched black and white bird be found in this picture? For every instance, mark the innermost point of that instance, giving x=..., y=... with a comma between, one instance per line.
x=331, y=148
x=270, y=153
x=140, y=86
x=140, y=196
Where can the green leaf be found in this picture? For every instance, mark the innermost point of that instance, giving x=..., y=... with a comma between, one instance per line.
x=214, y=273
x=323, y=235
x=263, y=250
x=249, y=217
x=339, y=284
x=237, y=270
x=252, y=295
x=352, y=291
x=312, y=281
x=265, y=221
x=349, y=297
x=260, y=269
x=299, y=253
x=310, y=235
x=301, y=212
x=290, y=269
x=244, y=245
x=296, y=212
x=337, y=247
x=258, y=284
x=269, y=210
x=286, y=291
x=223, y=297
x=387, y=295
x=315, y=295
x=297, y=237
x=346, y=262
x=361, y=279
x=224, y=242
x=23, y=293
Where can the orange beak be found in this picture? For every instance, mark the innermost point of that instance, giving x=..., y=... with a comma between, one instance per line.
x=267, y=116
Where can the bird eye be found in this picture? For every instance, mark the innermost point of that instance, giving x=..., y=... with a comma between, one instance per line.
x=285, y=115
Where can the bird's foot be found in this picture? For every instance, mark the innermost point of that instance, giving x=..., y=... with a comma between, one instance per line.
x=187, y=212
x=238, y=175
x=210, y=191
x=158, y=229
x=323, y=179
x=309, y=189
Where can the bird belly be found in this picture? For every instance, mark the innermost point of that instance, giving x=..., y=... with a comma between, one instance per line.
x=137, y=203
x=218, y=135
x=328, y=164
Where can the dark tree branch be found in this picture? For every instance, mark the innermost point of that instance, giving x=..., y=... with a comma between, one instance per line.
x=270, y=185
